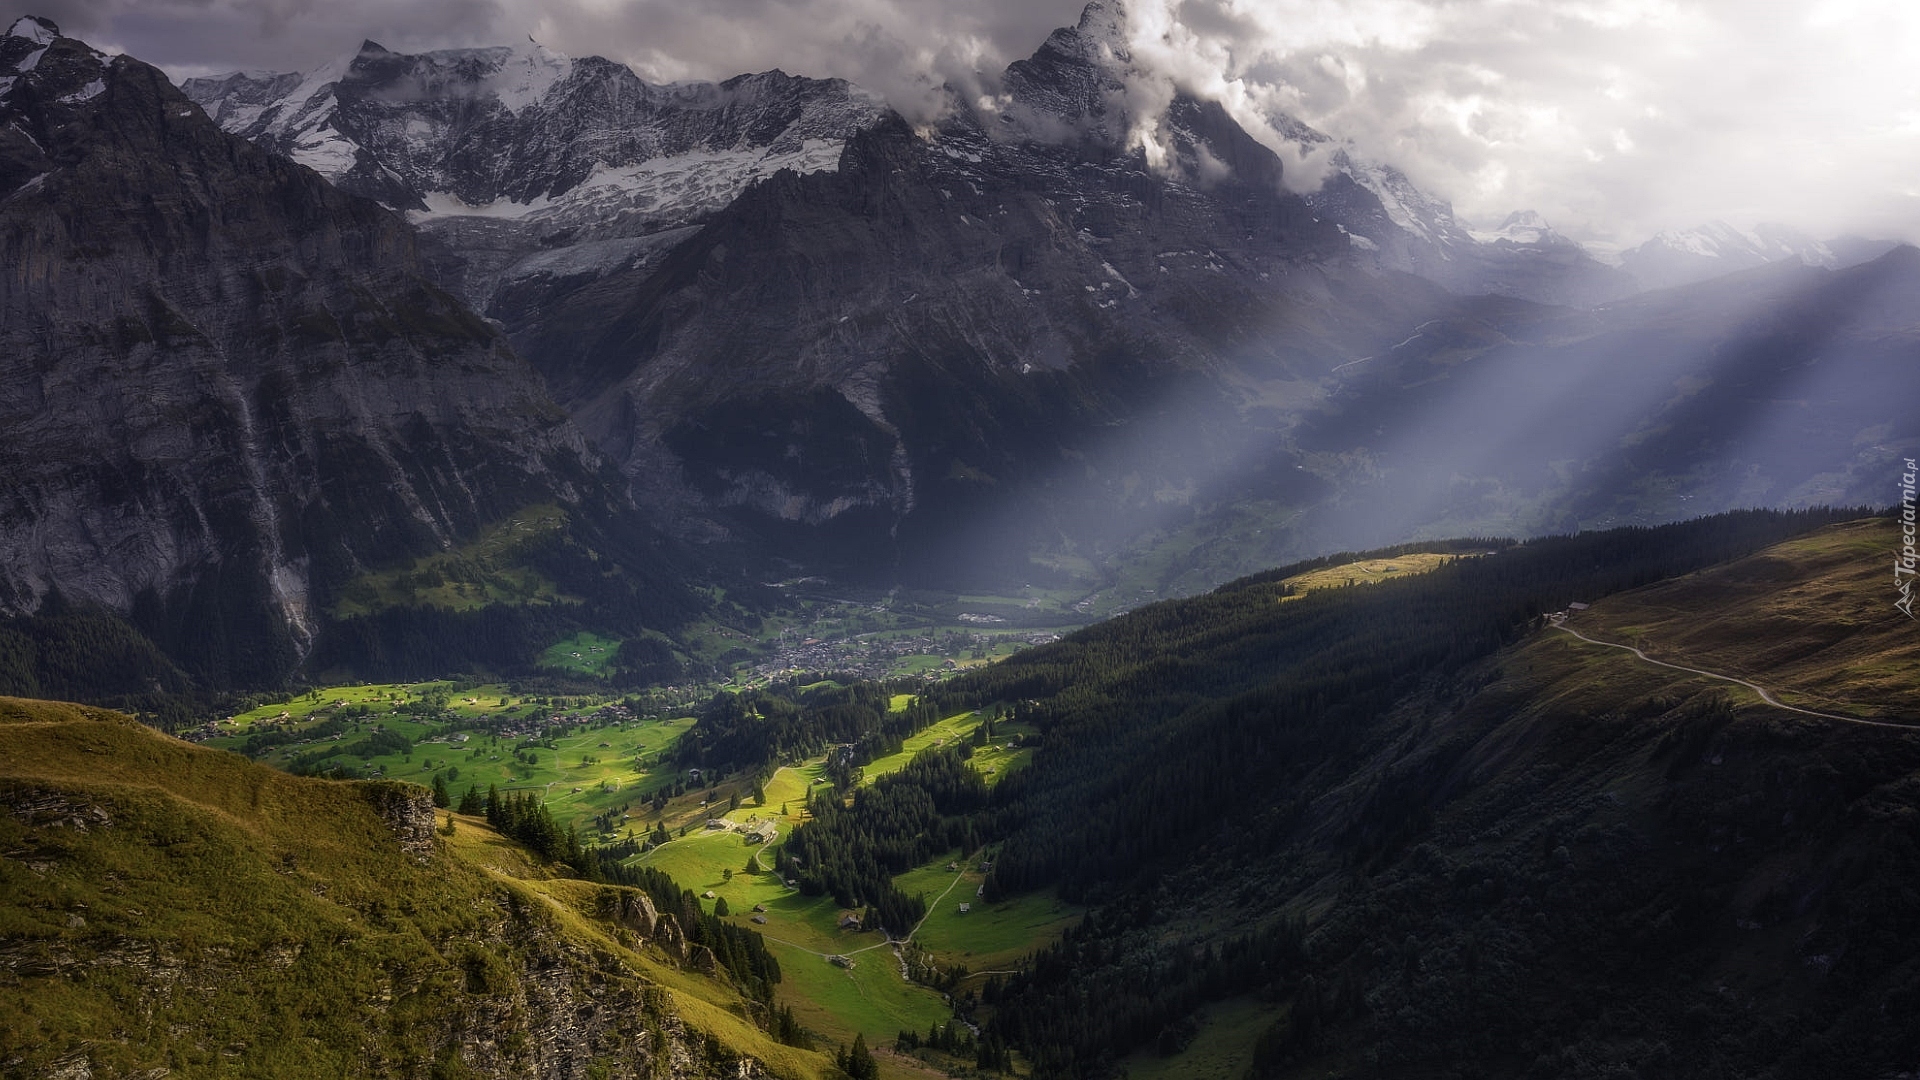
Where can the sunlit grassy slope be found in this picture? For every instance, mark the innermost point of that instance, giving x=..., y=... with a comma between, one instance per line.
x=1365, y=572
x=871, y=997
x=165, y=906
x=490, y=570
x=1813, y=617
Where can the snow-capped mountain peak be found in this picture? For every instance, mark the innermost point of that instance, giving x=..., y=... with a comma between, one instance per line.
x=20, y=51
x=514, y=76
x=547, y=149
x=34, y=29
x=1523, y=227
x=1681, y=256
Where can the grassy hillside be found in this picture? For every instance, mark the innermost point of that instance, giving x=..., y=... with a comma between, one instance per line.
x=490, y=570
x=1413, y=830
x=166, y=906
x=1813, y=617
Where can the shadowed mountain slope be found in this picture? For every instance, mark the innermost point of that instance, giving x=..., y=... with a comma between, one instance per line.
x=228, y=389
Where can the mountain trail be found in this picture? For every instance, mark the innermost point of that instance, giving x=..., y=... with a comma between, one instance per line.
x=1756, y=688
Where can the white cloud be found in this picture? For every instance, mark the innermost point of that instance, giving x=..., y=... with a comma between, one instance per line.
x=1611, y=117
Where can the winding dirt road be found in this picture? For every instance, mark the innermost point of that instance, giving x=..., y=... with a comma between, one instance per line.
x=1761, y=690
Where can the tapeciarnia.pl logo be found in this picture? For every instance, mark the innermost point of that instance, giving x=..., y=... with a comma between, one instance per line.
x=1907, y=562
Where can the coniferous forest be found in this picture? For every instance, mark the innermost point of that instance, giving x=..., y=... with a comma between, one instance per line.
x=1200, y=758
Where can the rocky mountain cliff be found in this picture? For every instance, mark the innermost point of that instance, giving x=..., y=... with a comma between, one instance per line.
x=1009, y=323
x=226, y=387
x=1058, y=329
x=528, y=164
x=1405, y=228
x=1076, y=317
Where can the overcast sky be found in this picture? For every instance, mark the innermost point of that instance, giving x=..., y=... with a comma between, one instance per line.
x=1613, y=118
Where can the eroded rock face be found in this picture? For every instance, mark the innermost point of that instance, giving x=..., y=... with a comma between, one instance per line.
x=226, y=387
x=668, y=935
x=632, y=909
x=701, y=959
x=533, y=167
x=408, y=811
x=48, y=808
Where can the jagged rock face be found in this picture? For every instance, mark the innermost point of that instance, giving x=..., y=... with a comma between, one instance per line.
x=632, y=909
x=958, y=323
x=971, y=340
x=1041, y=322
x=225, y=387
x=408, y=811
x=1404, y=228
x=518, y=154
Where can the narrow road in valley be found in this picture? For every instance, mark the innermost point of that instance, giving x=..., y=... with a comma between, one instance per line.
x=889, y=943
x=895, y=944
x=1761, y=690
x=1417, y=331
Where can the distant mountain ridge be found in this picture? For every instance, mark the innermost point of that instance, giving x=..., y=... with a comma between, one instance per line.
x=518, y=155
x=1684, y=256
x=1021, y=341
x=860, y=354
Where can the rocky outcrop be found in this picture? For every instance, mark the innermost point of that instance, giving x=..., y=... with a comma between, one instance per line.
x=701, y=959
x=50, y=809
x=226, y=388
x=670, y=938
x=408, y=811
x=630, y=908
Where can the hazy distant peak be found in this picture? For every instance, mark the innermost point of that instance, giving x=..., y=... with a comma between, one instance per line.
x=1679, y=256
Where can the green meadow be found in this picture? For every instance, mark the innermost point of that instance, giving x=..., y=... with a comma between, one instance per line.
x=582, y=654
x=609, y=767
x=588, y=767
x=487, y=571
x=871, y=997
x=1220, y=1051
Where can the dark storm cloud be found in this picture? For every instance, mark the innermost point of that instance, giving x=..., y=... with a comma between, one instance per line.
x=189, y=37
x=1611, y=117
